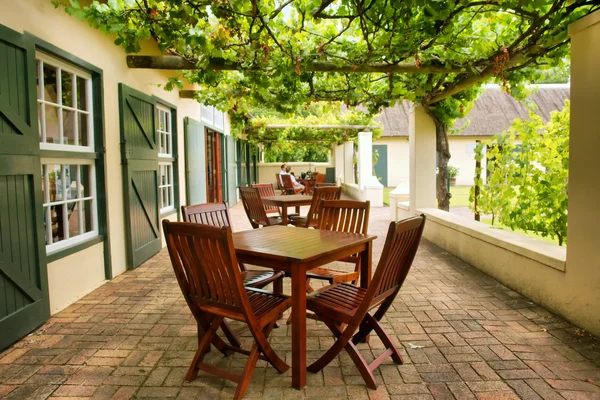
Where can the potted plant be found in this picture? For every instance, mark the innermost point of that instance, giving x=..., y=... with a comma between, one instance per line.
x=452, y=173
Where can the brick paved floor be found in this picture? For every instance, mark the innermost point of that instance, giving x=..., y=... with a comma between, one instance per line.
x=463, y=334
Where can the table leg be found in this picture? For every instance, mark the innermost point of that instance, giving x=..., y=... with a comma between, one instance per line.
x=284, y=215
x=298, y=327
x=365, y=271
x=365, y=265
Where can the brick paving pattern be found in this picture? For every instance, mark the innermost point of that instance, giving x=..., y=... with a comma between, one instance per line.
x=463, y=336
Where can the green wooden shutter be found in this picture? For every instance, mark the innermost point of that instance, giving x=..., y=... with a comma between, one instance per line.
x=23, y=279
x=231, y=171
x=195, y=161
x=139, y=156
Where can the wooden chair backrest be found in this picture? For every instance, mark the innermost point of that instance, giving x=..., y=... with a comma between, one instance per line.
x=205, y=265
x=319, y=195
x=278, y=180
x=267, y=189
x=253, y=206
x=348, y=216
x=288, y=185
x=215, y=214
x=401, y=244
x=320, y=178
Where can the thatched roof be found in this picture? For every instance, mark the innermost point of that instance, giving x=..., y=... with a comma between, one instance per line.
x=493, y=112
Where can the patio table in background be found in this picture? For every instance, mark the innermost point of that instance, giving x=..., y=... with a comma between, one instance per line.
x=295, y=251
x=283, y=202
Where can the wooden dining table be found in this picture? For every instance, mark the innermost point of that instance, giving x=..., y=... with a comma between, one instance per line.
x=296, y=251
x=285, y=201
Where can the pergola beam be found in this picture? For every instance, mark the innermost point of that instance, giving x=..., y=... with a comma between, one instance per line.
x=172, y=62
x=320, y=126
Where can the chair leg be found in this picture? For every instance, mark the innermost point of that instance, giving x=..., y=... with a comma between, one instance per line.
x=232, y=337
x=333, y=351
x=267, y=350
x=387, y=340
x=203, y=347
x=361, y=365
x=246, y=376
x=278, y=286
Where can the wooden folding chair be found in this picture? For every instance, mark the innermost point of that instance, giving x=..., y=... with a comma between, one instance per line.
x=267, y=189
x=311, y=220
x=320, y=179
x=205, y=265
x=255, y=210
x=288, y=185
x=348, y=216
x=344, y=304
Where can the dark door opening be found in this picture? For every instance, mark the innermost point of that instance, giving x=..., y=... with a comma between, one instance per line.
x=214, y=167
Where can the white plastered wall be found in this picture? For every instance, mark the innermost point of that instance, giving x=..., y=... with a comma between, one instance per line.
x=397, y=159
x=77, y=38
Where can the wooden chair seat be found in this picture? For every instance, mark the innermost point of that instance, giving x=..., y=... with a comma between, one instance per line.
x=344, y=298
x=352, y=313
x=259, y=279
x=332, y=275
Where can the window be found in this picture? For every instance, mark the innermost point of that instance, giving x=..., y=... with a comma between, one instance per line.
x=64, y=106
x=69, y=179
x=166, y=158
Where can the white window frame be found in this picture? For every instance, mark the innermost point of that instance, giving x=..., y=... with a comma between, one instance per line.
x=170, y=186
x=42, y=102
x=75, y=150
x=165, y=136
x=67, y=241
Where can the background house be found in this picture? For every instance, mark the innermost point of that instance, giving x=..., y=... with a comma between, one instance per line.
x=493, y=112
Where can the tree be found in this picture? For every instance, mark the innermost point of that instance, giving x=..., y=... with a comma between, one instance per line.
x=245, y=53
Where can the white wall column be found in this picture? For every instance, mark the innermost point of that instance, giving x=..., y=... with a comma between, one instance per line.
x=348, y=165
x=338, y=163
x=422, y=155
x=365, y=158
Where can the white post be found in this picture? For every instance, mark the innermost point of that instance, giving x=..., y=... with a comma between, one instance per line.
x=348, y=165
x=339, y=163
x=422, y=157
x=365, y=158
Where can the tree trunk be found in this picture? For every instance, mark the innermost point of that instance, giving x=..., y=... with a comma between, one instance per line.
x=443, y=156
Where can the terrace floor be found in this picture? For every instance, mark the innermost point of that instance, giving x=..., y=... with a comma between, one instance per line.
x=463, y=334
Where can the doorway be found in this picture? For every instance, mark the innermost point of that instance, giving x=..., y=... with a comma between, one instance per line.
x=214, y=166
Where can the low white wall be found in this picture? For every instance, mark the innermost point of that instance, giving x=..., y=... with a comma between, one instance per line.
x=267, y=171
x=534, y=268
x=374, y=194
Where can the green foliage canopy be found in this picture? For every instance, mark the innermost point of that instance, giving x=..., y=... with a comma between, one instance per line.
x=284, y=53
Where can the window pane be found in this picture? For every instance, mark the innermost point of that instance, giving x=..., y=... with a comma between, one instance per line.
x=54, y=182
x=52, y=130
x=40, y=120
x=82, y=94
x=68, y=127
x=83, y=129
x=87, y=216
x=43, y=184
x=73, y=218
x=58, y=228
x=50, y=84
x=71, y=177
x=67, y=88
x=165, y=197
x=86, y=186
